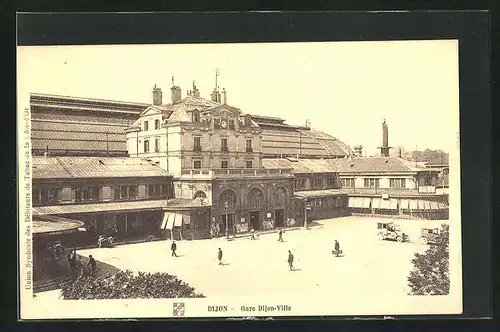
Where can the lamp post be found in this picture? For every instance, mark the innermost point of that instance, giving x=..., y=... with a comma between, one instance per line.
x=305, y=213
x=226, y=206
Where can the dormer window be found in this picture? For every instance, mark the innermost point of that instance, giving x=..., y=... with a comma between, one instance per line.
x=196, y=116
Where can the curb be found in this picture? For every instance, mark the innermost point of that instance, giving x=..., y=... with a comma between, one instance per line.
x=243, y=236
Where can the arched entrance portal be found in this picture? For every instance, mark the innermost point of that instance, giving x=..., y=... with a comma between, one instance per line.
x=279, y=202
x=227, y=206
x=255, y=202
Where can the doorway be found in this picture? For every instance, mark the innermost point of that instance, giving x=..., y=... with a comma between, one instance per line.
x=279, y=218
x=255, y=220
x=227, y=219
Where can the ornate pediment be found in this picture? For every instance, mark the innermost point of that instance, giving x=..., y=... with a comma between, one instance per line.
x=223, y=111
x=152, y=110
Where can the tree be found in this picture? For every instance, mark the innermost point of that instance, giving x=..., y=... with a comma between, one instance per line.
x=126, y=285
x=431, y=274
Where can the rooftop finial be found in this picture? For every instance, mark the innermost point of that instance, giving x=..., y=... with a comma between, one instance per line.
x=217, y=73
x=173, y=81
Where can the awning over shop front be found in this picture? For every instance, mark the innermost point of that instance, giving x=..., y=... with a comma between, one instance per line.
x=376, y=203
x=394, y=204
x=404, y=204
x=434, y=205
x=384, y=204
x=427, y=205
x=442, y=206
x=178, y=220
x=355, y=202
x=168, y=220
x=366, y=202
x=414, y=204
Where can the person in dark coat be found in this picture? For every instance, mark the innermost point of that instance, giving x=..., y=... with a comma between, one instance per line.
x=290, y=260
x=280, y=236
x=79, y=267
x=92, y=265
x=219, y=256
x=173, y=247
x=72, y=262
x=337, y=248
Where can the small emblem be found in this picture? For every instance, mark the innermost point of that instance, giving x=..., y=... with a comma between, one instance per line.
x=179, y=308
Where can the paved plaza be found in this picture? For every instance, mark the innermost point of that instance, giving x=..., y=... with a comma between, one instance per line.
x=254, y=268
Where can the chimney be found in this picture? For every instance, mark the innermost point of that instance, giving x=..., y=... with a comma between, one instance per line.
x=213, y=96
x=384, y=149
x=218, y=95
x=175, y=92
x=224, y=96
x=157, y=96
x=195, y=92
x=385, y=134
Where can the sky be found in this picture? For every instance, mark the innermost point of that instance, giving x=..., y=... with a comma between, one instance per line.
x=345, y=89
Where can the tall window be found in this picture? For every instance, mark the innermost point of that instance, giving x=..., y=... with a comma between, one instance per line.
x=300, y=183
x=157, y=145
x=224, y=164
x=197, y=143
x=372, y=183
x=146, y=146
x=330, y=181
x=196, y=164
x=249, y=145
x=195, y=116
x=316, y=182
x=49, y=195
x=87, y=194
x=223, y=144
x=157, y=190
x=231, y=124
x=397, y=183
x=347, y=183
x=125, y=192
x=157, y=124
x=146, y=125
x=249, y=163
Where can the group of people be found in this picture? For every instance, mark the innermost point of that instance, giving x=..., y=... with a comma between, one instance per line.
x=76, y=265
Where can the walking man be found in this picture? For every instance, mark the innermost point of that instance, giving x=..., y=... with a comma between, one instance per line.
x=280, y=236
x=252, y=234
x=72, y=262
x=219, y=256
x=79, y=267
x=337, y=248
x=173, y=247
x=92, y=265
x=290, y=261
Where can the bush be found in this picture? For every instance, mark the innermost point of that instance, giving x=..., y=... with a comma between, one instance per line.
x=126, y=285
x=431, y=272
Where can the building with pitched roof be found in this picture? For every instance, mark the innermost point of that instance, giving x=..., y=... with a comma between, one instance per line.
x=132, y=194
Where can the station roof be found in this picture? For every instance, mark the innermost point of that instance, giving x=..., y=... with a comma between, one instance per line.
x=58, y=167
x=88, y=126
x=53, y=225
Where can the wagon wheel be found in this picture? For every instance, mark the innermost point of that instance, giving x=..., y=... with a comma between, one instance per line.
x=424, y=240
x=399, y=239
x=380, y=236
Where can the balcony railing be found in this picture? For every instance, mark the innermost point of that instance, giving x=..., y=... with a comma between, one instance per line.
x=224, y=149
x=197, y=148
x=249, y=149
x=234, y=172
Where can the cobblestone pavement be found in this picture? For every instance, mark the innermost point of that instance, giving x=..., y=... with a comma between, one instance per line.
x=254, y=268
